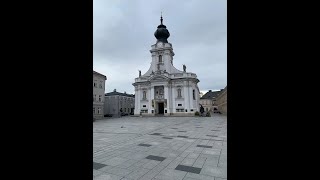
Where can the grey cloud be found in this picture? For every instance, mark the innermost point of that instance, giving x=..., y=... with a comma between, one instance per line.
x=123, y=35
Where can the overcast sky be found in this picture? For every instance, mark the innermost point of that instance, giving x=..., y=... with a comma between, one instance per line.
x=123, y=32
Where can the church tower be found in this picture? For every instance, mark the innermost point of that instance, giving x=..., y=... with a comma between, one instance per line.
x=163, y=89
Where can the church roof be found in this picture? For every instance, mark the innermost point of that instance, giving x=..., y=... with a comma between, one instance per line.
x=115, y=93
x=162, y=33
x=211, y=94
x=94, y=72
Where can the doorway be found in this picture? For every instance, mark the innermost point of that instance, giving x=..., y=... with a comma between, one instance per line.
x=161, y=108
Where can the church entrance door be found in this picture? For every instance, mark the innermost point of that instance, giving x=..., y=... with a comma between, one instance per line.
x=161, y=108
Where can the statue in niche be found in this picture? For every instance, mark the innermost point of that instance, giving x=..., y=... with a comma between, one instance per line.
x=184, y=68
x=139, y=73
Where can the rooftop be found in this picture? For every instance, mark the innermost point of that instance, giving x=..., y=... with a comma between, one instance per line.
x=211, y=94
x=115, y=93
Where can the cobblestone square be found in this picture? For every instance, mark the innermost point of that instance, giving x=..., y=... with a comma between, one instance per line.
x=198, y=144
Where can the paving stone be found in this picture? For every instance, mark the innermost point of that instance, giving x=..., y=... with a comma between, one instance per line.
x=107, y=176
x=166, y=162
x=97, y=166
x=199, y=176
x=199, y=162
x=185, y=154
x=214, y=171
x=157, y=134
x=212, y=135
x=137, y=156
x=118, y=171
x=188, y=169
x=115, y=161
x=151, y=164
x=157, y=158
x=128, y=163
x=96, y=172
x=204, y=146
x=167, y=138
x=211, y=151
x=146, y=145
x=137, y=173
x=182, y=136
x=152, y=173
x=113, y=144
x=188, y=161
x=171, y=174
x=217, y=178
x=175, y=162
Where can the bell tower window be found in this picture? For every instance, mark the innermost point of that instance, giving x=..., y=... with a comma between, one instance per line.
x=160, y=59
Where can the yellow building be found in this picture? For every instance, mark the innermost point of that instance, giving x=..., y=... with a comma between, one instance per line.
x=221, y=101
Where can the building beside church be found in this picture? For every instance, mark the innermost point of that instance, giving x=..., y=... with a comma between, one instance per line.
x=208, y=101
x=221, y=101
x=163, y=89
x=115, y=102
x=98, y=94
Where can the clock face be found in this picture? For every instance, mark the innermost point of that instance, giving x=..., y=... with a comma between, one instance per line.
x=159, y=44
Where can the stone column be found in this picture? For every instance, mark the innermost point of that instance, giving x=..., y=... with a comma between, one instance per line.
x=186, y=96
x=173, y=98
x=190, y=97
x=137, y=101
x=166, y=96
x=151, y=97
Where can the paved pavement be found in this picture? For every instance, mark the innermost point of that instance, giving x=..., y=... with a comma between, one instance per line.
x=160, y=148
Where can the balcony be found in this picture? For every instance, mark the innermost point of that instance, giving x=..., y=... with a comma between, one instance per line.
x=159, y=96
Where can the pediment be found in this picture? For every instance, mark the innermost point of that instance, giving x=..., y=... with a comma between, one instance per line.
x=158, y=78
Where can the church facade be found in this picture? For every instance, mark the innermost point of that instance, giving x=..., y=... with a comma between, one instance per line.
x=163, y=89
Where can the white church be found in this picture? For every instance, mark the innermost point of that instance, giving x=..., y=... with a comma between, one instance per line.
x=163, y=89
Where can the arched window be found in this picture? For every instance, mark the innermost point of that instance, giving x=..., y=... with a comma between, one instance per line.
x=179, y=93
x=194, y=95
x=160, y=59
x=144, y=95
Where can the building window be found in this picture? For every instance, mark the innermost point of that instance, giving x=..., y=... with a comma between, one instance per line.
x=179, y=93
x=194, y=95
x=99, y=98
x=160, y=59
x=179, y=110
x=94, y=84
x=94, y=110
x=98, y=110
x=144, y=95
x=100, y=85
x=179, y=104
x=144, y=106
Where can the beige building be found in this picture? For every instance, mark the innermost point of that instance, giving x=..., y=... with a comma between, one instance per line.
x=115, y=102
x=208, y=101
x=221, y=101
x=98, y=94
